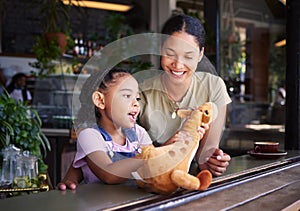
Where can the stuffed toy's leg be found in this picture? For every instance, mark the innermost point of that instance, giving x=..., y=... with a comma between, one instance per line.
x=184, y=180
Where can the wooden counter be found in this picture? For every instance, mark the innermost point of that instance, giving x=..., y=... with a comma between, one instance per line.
x=238, y=139
x=235, y=141
x=52, y=132
x=278, y=190
x=254, y=191
x=59, y=159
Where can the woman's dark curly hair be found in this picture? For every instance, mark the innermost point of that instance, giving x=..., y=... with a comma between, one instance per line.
x=88, y=113
x=187, y=24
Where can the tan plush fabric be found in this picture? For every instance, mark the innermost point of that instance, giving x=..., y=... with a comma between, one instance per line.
x=166, y=168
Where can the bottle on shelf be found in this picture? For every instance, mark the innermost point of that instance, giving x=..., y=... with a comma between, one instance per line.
x=81, y=45
x=76, y=42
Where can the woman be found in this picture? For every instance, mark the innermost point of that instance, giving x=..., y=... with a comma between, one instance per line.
x=179, y=86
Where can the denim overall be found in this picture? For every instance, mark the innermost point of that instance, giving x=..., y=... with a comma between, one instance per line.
x=116, y=156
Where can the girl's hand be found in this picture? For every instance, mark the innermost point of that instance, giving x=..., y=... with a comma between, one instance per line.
x=71, y=180
x=68, y=184
x=182, y=135
x=179, y=136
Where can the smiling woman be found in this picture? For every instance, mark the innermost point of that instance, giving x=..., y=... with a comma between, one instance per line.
x=180, y=86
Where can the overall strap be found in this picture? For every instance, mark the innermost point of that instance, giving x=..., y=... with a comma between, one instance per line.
x=130, y=134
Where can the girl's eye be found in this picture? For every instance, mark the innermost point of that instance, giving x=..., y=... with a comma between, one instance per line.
x=127, y=96
x=189, y=57
x=138, y=99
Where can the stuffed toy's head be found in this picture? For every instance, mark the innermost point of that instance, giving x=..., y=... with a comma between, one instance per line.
x=166, y=167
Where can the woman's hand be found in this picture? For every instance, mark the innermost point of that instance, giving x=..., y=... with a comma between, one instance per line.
x=217, y=163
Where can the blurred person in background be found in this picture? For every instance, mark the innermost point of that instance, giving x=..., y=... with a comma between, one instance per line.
x=17, y=88
x=2, y=81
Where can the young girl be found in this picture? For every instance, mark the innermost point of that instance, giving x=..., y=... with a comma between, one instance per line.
x=104, y=150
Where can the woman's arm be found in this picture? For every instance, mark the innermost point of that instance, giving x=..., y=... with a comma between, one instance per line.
x=208, y=155
x=112, y=172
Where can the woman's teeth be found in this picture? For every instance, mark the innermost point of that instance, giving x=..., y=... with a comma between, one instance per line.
x=178, y=73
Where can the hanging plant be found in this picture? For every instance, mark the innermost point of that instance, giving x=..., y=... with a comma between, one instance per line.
x=232, y=37
x=117, y=27
x=55, y=39
x=45, y=52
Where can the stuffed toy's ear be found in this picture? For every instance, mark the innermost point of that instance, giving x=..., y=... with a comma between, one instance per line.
x=207, y=112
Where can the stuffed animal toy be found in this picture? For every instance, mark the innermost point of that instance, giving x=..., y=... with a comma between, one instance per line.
x=166, y=167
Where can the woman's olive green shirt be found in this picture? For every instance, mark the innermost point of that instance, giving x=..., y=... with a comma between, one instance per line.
x=157, y=109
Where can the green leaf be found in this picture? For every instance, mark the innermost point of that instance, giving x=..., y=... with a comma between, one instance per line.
x=19, y=128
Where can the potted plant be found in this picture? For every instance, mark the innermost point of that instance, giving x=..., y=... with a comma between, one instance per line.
x=55, y=20
x=45, y=52
x=20, y=125
x=117, y=27
x=55, y=38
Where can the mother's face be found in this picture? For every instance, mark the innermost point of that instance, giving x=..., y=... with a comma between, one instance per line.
x=180, y=54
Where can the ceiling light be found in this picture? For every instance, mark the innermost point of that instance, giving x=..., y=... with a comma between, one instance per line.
x=99, y=5
x=280, y=43
x=283, y=1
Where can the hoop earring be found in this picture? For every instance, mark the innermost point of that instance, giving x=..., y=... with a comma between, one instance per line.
x=202, y=53
x=200, y=58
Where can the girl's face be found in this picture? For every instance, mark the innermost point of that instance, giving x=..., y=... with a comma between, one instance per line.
x=180, y=56
x=121, y=102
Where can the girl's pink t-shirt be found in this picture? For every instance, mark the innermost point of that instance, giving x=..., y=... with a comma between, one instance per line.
x=91, y=140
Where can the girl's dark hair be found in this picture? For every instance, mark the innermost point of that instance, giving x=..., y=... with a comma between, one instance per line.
x=188, y=24
x=111, y=77
x=88, y=113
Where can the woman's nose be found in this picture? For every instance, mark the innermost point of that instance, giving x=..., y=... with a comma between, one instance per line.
x=178, y=64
